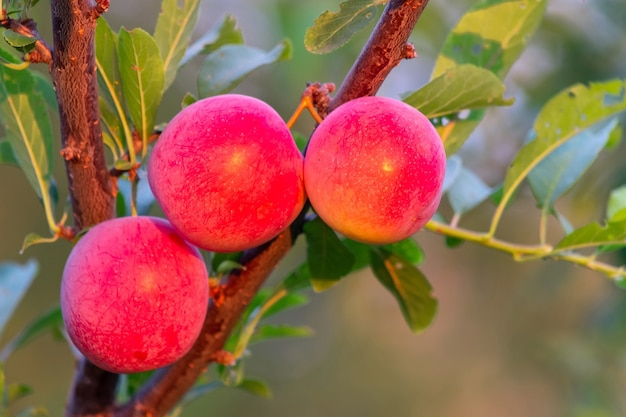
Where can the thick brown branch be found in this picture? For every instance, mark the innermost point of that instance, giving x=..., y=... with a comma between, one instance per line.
x=73, y=73
x=168, y=386
x=386, y=47
x=74, y=77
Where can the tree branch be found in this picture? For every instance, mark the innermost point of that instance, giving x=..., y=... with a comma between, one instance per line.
x=168, y=385
x=386, y=47
x=73, y=72
x=74, y=78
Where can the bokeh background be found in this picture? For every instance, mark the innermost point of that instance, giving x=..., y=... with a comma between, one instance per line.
x=535, y=339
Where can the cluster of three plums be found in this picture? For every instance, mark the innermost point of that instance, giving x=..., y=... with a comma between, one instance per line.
x=228, y=176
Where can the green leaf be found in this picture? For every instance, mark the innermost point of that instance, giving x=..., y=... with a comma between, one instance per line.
x=27, y=125
x=33, y=239
x=564, y=116
x=43, y=84
x=271, y=331
x=220, y=257
x=287, y=302
x=15, y=279
x=616, y=207
x=228, y=266
x=591, y=235
x=172, y=34
x=328, y=258
x=256, y=387
x=51, y=320
x=143, y=77
x=492, y=35
x=20, y=42
x=556, y=174
x=408, y=249
x=188, y=100
x=11, y=61
x=361, y=252
x=331, y=30
x=464, y=87
x=225, y=68
x=111, y=100
x=408, y=285
x=299, y=279
x=467, y=191
x=224, y=33
x=16, y=391
x=6, y=154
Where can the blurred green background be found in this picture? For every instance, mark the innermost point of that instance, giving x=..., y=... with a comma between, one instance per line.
x=535, y=339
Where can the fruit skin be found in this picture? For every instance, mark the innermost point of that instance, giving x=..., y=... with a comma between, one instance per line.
x=374, y=169
x=227, y=173
x=134, y=294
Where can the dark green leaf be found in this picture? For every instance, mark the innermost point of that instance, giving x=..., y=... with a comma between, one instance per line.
x=464, y=87
x=256, y=387
x=50, y=320
x=228, y=266
x=408, y=285
x=172, y=33
x=289, y=301
x=616, y=207
x=219, y=258
x=20, y=42
x=564, y=116
x=188, y=99
x=408, y=249
x=29, y=131
x=33, y=239
x=301, y=140
x=492, y=35
x=556, y=174
x=226, y=67
x=328, y=258
x=467, y=191
x=143, y=76
x=332, y=30
x=361, y=252
x=613, y=233
x=453, y=242
x=15, y=279
x=224, y=33
x=298, y=280
x=6, y=154
x=270, y=331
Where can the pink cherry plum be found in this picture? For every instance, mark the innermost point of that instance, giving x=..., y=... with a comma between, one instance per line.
x=374, y=170
x=227, y=173
x=134, y=294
